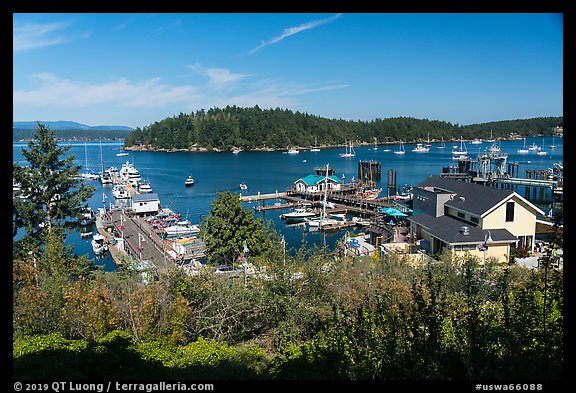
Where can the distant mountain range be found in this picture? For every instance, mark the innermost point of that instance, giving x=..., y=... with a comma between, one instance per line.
x=65, y=125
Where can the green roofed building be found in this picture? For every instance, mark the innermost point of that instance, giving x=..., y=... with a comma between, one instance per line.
x=317, y=183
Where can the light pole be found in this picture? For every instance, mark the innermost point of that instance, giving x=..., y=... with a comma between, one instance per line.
x=487, y=238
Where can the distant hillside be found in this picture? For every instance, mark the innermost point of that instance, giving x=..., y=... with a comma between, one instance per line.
x=70, y=130
x=65, y=125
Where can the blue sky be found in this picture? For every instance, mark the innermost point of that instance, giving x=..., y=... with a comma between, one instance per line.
x=135, y=69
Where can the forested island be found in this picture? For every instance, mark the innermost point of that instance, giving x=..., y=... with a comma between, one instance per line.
x=260, y=129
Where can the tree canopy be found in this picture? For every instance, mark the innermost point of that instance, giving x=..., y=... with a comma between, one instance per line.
x=255, y=128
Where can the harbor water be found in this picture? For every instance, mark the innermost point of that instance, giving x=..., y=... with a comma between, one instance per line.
x=273, y=171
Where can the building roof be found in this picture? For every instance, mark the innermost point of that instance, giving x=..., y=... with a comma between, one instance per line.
x=146, y=197
x=315, y=179
x=476, y=199
x=449, y=230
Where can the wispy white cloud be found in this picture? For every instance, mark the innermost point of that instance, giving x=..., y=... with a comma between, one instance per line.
x=218, y=76
x=53, y=94
x=289, y=31
x=162, y=29
x=36, y=35
x=57, y=92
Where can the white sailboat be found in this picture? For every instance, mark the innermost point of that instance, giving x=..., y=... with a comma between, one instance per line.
x=87, y=173
x=375, y=144
x=319, y=222
x=349, y=151
x=541, y=151
x=315, y=148
x=401, y=149
x=428, y=141
x=552, y=146
x=524, y=150
x=442, y=144
x=491, y=140
x=462, y=151
x=122, y=152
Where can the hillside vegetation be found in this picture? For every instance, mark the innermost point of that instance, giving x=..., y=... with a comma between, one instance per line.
x=255, y=128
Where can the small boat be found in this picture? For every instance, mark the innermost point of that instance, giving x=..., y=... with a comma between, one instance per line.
x=121, y=154
x=298, y=214
x=293, y=151
x=99, y=244
x=86, y=217
x=236, y=150
x=189, y=181
x=182, y=229
x=524, y=150
x=541, y=151
x=144, y=187
x=349, y=152
x=533, y=147
x=401, y=150
x=315, y=148
x=476, y=141
x=552, y=146
x=243, y=186
x=442, y=144
x=420, y=148
x=462, y=151
x=120, y=191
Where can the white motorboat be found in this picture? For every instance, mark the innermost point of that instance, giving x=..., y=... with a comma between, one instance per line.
x=120, y=191
x=182, y=229
x=293, y=151
x=243, y=186
x=144, y=187
x=189, y=181
x=298, y=214
x=420, y=148
x=99, y=244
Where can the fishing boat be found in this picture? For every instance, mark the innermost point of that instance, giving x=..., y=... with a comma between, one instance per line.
x=420, y=148
x=189, y=181
x=401, y=149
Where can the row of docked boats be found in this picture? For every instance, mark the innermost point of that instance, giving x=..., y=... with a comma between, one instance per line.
x=172, y=224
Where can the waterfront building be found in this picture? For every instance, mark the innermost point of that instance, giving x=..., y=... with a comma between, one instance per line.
x=471, y=218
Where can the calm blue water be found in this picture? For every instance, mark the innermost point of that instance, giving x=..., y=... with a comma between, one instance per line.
x=268, y=172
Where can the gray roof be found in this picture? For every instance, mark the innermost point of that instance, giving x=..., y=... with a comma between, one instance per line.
x=471, y=197
x=448, y=229
x=145, y=197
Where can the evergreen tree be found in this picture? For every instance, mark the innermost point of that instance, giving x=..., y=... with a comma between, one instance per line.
x=50, y=192
x=229, y=227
